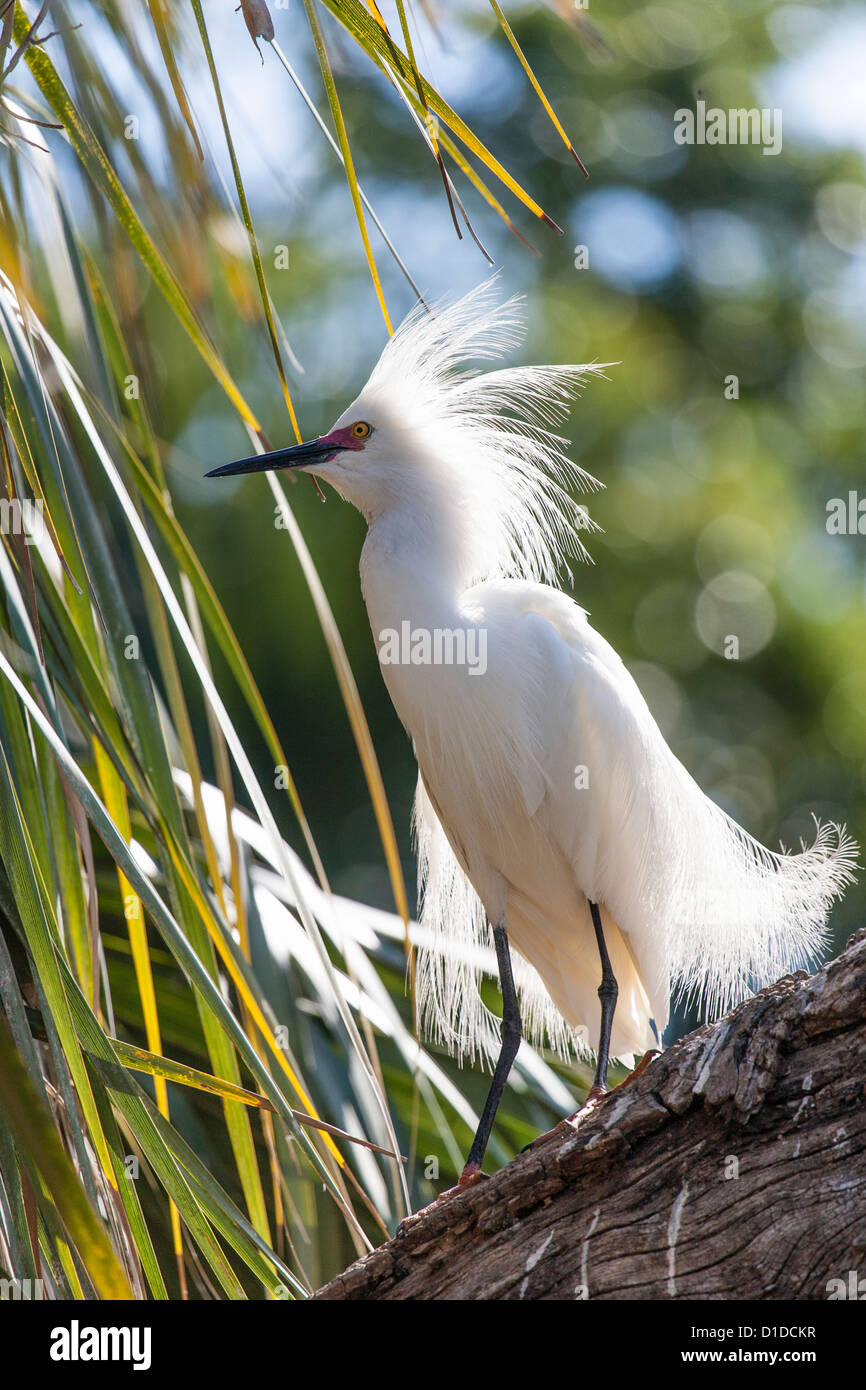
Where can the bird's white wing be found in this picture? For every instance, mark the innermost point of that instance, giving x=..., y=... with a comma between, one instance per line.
x=703, y=904
x=698, y=902
x=495, y=805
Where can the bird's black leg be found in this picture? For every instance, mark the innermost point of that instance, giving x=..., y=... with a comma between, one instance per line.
x=608, y=991
x=511, y=1033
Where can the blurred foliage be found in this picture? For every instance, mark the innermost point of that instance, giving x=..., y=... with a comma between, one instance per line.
x=703, y=263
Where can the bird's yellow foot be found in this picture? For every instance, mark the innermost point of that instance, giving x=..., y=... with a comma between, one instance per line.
x=596, y=1097
x=636, y=1071
x=470, y=1177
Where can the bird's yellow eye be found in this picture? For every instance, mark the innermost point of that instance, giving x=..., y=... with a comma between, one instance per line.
x=361, y=429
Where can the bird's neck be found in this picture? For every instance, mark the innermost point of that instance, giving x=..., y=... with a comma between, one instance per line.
x=425, y=633
x=412, y=570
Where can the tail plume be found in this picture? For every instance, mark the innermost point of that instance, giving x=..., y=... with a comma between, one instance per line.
x=758, y=915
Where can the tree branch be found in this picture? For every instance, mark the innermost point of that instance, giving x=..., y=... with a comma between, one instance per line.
x=733, y=1168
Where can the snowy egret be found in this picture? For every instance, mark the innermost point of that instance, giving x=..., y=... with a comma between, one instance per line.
x=550, y=813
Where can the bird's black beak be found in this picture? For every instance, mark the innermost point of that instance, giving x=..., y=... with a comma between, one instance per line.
x=299, y=455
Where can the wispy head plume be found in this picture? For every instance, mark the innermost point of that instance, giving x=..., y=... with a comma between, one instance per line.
x=485, y=442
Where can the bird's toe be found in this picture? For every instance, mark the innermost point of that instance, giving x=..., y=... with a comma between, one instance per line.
x=470, y=1177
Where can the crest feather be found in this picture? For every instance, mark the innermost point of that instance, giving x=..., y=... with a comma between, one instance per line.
x=489, y=436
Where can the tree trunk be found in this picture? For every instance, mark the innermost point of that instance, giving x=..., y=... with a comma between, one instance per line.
x=733, y=1168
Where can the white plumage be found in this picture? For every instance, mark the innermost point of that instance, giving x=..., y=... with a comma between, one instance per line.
x=468, y=514
x=544, y=782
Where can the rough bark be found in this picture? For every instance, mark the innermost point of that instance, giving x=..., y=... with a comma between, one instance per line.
x=733, y=1168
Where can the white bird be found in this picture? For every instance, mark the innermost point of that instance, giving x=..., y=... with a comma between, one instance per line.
x=550, y=813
